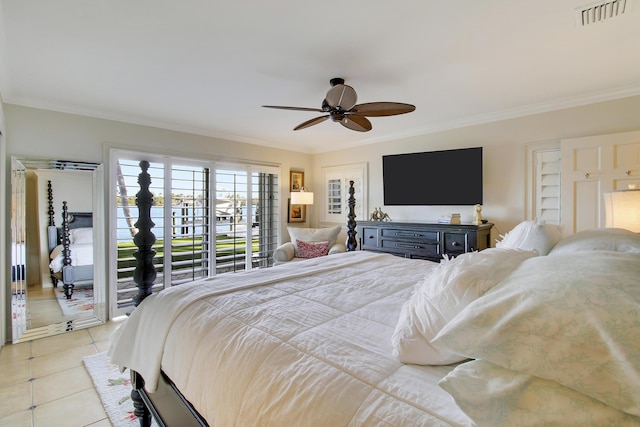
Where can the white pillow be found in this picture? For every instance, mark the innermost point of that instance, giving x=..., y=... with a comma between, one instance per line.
x=81, y=235
x=601, y=239
x=532, y=235
x=494, y=396
x=444, y=292
x=570, y=318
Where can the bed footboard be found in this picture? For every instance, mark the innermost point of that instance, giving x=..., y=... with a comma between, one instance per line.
x=167, y=405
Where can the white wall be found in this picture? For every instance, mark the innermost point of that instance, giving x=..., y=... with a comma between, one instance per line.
x=504, y=156
x=4, y=226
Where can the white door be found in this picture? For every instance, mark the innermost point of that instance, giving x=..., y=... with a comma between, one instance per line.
x=591, y=166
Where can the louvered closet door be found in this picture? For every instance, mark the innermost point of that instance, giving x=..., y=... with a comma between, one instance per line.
x=547, y=191
x=591, y=166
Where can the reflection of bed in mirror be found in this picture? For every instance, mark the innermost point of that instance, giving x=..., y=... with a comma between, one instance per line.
x=70, y=248
x=42, y=312
x=72, y=256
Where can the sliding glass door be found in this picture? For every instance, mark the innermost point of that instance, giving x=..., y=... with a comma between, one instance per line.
x=210, y=218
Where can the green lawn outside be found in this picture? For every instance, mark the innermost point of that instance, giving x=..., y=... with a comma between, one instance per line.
x=190, y=247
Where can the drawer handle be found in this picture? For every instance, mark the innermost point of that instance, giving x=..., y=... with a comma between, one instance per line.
x=400, y=245
x=408, y=234
x=455, y=243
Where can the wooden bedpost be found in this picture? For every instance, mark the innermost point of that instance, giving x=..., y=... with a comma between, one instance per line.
x=50, y=211
x=52, y=223
x=145, y=272
x=144, y=275
x=66, y=251
x=352, y=243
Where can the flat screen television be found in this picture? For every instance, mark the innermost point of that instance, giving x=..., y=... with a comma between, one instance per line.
x=447, y=177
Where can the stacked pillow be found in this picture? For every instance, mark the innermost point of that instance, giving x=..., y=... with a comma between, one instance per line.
x=564, y=326
x=555, y=338
x=532, y=235
x=448, y=289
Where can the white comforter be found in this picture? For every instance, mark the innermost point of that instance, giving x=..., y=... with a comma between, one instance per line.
x=81, y=254
x=306, y=344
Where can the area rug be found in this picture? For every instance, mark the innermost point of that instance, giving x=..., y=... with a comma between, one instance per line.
x=114, y=389
x=81, y=301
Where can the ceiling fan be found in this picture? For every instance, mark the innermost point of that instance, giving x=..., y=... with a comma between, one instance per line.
x=340, y=106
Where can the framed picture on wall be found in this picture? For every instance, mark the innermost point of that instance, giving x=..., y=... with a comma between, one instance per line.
x=297, y=213
x=296, y=180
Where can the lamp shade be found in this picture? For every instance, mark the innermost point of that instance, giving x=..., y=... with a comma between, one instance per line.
x=302, y=197
x=622, y=209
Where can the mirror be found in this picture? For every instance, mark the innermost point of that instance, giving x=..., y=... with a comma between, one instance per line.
x=57, y=274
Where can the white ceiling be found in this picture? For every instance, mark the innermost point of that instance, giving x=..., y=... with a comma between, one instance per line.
x=206, y=66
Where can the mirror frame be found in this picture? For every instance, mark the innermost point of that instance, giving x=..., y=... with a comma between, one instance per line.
x=19, y=166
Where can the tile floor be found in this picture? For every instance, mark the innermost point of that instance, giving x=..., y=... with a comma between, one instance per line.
x=43, y=306
x=44, y=383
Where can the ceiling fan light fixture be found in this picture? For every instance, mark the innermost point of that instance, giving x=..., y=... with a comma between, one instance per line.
x=340, y=103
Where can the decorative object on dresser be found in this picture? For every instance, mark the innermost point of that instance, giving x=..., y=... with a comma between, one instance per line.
x=452, y=218
x=477, y=214
x=423, y=240
x=379, y=215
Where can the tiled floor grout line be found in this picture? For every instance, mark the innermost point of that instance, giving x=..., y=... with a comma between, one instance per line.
x=27, y=417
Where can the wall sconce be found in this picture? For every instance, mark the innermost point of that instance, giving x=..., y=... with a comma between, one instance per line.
x=302, y=197
x=622, y=209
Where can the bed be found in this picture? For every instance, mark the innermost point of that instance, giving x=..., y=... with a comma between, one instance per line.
x=70, y=247
x=507, y=336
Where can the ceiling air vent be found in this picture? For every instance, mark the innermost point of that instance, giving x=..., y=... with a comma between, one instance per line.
x=600, y=11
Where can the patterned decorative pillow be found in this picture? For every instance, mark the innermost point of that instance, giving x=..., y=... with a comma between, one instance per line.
x=311, y=249
x=569, y=318
x=495, y=396
x=445, y=292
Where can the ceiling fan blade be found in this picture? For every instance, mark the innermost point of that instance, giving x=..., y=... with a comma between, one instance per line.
x=359, y=123
x=311, y=122
x=378, y=109
x=342, y=96
x=280, y=107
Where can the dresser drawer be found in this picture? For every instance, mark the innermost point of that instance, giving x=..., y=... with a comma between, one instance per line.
x=410, y=249
x=370, y=238
x=410, y=235
x=455, y=243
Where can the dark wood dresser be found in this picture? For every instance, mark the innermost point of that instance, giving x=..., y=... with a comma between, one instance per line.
x=423, y=240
